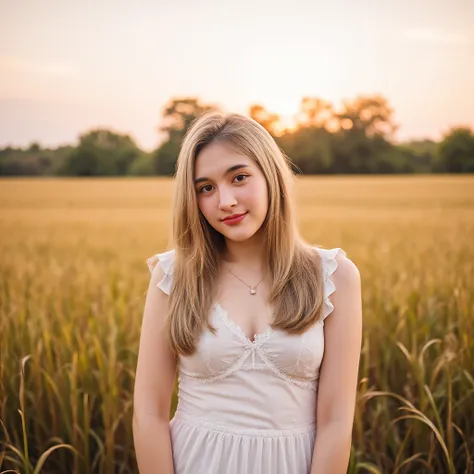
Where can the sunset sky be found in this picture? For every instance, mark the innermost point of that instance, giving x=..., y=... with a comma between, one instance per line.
x=68, y=66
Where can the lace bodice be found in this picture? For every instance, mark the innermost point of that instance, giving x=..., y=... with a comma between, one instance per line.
x=294, y=359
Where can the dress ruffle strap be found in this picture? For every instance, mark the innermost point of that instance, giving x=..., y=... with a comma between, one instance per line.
x=166, y=261
x=329, y=267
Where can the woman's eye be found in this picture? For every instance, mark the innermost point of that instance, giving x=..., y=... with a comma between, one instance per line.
x=202, y=189
x=244, y=175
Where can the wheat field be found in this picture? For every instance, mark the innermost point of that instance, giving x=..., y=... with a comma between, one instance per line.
x=73, y=280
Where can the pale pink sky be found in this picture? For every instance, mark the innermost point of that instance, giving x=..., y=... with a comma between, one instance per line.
x=67, y=66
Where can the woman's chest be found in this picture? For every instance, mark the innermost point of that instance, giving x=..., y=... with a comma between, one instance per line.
x=290, y=356
x=251, y=311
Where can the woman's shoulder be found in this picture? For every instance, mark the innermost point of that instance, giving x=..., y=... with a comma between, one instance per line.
x=331, y=257
x=336, y=263
x=165, y=259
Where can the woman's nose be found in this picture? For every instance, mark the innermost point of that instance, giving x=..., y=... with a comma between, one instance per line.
x=226, y=199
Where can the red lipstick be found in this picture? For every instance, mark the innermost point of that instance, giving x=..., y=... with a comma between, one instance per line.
x=234, y=219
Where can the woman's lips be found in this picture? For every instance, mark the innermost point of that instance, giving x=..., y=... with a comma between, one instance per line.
x=235, y=220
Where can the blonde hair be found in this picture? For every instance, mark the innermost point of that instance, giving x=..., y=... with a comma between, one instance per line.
x=294, y=268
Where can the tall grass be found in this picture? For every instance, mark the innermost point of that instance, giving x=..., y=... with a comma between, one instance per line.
x=72, y=287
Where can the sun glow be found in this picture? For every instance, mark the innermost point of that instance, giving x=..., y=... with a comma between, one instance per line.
x=287, y=123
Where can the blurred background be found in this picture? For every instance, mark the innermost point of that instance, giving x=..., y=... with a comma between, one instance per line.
x=373, y=101
x=366, y=87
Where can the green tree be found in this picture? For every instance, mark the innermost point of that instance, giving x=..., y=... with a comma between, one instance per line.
x=142, y=165
x=309, y=145
x=101, y=152
x=34, y=147
x=31, y=161
x=361, y=145
x=309, y=148
x=423, y=153
x=177, y=116
x=456, y=151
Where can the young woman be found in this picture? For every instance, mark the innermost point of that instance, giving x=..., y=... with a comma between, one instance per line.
x=238, y=306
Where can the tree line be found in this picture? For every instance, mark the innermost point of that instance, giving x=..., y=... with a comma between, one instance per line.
x=356, y=139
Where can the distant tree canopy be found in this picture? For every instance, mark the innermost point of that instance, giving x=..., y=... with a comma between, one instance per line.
x=33, y=161
x=357, y=138
x=265, y=118
x=101, y=153
x=353, y=140
x=456, y=151
x=177, y=116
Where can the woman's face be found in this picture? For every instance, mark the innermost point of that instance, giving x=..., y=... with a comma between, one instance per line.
x=228, y=183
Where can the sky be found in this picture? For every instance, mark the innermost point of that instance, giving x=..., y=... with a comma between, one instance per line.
x=69, y=66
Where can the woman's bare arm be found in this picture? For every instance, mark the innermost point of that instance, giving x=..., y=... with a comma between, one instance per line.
x=338, y=377
x=154, y=383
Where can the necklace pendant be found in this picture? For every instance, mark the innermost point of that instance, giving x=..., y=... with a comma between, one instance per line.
x=253, y=291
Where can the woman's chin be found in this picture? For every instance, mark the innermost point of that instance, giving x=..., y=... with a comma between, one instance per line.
x=238, y=235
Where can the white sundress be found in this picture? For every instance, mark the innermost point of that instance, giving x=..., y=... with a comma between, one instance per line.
x=248, y=407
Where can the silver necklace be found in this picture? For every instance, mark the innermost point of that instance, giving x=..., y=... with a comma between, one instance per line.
x=253, y=290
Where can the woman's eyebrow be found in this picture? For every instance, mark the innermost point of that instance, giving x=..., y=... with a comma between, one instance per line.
x=232, y=168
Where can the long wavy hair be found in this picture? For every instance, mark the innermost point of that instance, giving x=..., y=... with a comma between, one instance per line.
x=294, y=268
